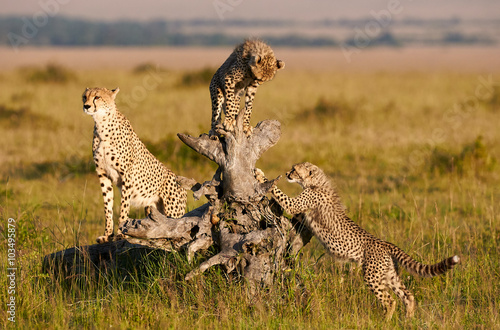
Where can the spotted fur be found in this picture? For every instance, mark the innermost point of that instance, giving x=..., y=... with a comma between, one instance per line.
x=122, y=159
x=325, y=215
x=251, y=63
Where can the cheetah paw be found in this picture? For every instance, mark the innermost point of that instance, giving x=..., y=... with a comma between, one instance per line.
x=212, y=134
x=229, y=125
x=223, y=129
x=104, y=239
x=121, y=236
x=259, y=175
x=248, y=130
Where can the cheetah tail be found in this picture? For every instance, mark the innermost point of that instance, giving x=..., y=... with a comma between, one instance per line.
x=417, y=268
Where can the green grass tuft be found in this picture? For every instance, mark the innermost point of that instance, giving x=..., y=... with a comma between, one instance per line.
x=328, y=110
x=22, y=117
x=147, y=68
x=197, y=78
x=474, y=158
x=51, y=73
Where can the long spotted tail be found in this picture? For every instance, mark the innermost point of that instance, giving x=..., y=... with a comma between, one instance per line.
x=417, y=268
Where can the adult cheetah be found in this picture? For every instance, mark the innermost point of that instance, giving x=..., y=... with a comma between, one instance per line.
x=121, y=158
x=251, y=63
x=324, y=214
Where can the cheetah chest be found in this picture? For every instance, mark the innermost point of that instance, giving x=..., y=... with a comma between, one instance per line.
x=105, y=155
x=242, y=85
x=336, y=235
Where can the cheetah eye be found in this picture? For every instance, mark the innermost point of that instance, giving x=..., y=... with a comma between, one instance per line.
x=97, y=98
x=259, y=60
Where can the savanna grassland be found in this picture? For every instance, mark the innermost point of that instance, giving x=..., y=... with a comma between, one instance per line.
x=414, y=154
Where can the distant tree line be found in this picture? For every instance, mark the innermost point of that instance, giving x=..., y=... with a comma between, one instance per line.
x=62, y=31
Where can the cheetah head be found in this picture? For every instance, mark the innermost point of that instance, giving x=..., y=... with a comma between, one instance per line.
x=307, y=175
x=99, y=100
x=265, y=67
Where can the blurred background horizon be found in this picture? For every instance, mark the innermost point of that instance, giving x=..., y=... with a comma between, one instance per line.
x=321, y=34
x=223, y=22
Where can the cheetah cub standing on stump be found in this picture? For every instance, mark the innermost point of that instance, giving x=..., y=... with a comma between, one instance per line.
x=325, y=216
x=121, y=158
x=251, y=63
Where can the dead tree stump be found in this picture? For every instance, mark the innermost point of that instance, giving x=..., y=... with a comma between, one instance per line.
x=253, y=239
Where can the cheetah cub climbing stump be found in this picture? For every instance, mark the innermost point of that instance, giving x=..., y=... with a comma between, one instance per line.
x=325, y=216
x=122, y=159
x=251, y=63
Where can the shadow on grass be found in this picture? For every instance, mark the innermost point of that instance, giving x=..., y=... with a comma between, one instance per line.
x=62, y=170
x=197, y=78
x=51, y=73
x=147, y=67
x=474, y=158
x=128, y=261
x=324, y=109
x=23, y=117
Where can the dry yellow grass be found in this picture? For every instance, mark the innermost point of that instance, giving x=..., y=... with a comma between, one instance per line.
x=414, y=154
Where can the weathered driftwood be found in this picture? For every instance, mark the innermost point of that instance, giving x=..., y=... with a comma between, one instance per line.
x=251, y=236
x=259, y=254
x=253, y=239
x=192, y=232
x=236, y=155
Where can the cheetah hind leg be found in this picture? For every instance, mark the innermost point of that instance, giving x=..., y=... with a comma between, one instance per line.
x=382, y=292
x=376, y=280
x=401, y=291
x=160, y=205
x=148, y=210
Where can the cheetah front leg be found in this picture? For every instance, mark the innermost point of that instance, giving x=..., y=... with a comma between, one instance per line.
x=217, y=102
x=296, y=205
x=232, y=108
x=249, y=97
x=107, y=194
x=124, y=204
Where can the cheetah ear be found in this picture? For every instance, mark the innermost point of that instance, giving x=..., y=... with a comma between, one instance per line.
x=280, y=64
x=115, y=91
